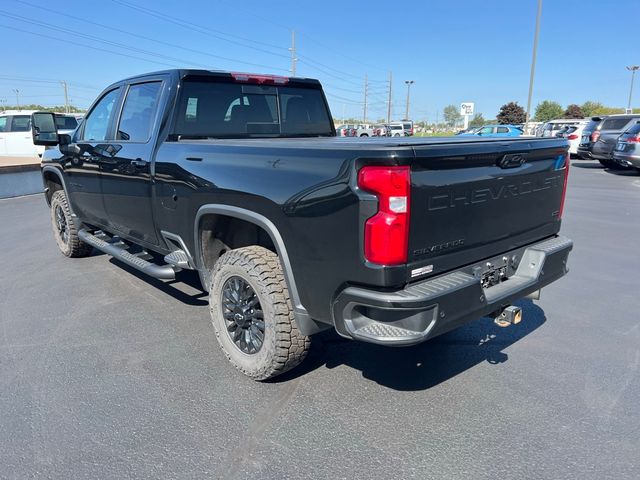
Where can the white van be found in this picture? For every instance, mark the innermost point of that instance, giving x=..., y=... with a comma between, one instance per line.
x=15, y=133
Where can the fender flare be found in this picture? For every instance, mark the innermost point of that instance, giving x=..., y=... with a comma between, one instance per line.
x=57, y=173
x=306, y=324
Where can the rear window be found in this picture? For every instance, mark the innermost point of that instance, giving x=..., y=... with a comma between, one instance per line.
x=210, y=108
x=592, y=125
x=635, y=128
x=66, y=123
x=615, y=123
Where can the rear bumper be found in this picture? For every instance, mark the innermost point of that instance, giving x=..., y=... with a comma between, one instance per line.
x=627, y=160
x=585, y=153
x=429, y=308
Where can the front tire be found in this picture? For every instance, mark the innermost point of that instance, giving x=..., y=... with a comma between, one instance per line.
x=65, y=227
x=252, y=314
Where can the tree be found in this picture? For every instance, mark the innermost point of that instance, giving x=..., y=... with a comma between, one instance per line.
x=548, y=110
x=451, y=115
x=511, y=113
x=573, y=111
x=590, y=108
x=477, y=120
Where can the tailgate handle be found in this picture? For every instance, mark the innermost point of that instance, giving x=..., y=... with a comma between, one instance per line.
x=512, y=160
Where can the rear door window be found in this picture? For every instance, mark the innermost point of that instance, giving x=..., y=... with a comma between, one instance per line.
x=20, y=123
x=3, y=124
x=66, y=123
x=138, y=112
x=615, y=123
x=503, y=130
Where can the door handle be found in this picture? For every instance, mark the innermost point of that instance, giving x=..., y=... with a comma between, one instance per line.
x=139, y=163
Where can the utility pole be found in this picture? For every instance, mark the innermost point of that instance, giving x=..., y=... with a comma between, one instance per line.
x=533, y=63
x=409, y=83
x=17, y=97
x=633, y=69
x=366, y=91
x=66, y=96
x=294, y=59
x=389, y=100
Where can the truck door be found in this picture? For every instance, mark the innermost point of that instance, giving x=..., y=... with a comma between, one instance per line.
x=4, y=124
x=126, y=175
x=17, y=137
x=90, y=146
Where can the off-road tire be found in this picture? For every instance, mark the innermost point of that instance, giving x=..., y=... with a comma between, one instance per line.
x=284, y=347
x=72, y=246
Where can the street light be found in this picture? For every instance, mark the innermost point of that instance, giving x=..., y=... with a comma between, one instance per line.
x=17, y=98
x=409, y=83
x=633, y=70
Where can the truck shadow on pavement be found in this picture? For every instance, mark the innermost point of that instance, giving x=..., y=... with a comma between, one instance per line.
x=428, y=364
x=186, y=287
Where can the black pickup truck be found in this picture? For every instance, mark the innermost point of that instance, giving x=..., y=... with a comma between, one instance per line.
x=292, y=230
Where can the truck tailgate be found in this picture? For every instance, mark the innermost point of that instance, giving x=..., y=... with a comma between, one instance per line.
x=475, y=200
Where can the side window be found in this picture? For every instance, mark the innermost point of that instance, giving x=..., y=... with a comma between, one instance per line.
x=486, y=130
x=139, y=111
x=3, y=124
x=96, y=124
x=503, y=130
x=20, y=123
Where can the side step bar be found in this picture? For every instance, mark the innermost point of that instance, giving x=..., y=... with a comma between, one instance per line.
x=116, y=250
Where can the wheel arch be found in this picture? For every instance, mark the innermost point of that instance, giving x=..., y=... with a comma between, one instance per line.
x=306, y=324
x=52, y=180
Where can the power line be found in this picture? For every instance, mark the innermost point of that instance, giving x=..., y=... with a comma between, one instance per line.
x=179, y=63
x=202, y=29
x=143, y=37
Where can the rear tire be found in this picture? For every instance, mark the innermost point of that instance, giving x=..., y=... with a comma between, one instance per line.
x=65, y=227
x=252, y=314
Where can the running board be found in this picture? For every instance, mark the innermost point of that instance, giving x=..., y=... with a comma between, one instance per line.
x=116, y=250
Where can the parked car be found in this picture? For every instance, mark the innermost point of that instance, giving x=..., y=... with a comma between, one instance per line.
x=469, y=131
x=346, y=131
x=396, y=130
x=15, y=133
x=174, y=170
x=552, y=127
x=573, y=133
x=590, y=135
x=627, y=151
x=497, y=131
x=381, y=130
x=612, y=127
x=364, y=130
x=408, y=127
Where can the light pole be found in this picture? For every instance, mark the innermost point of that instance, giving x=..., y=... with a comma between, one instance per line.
x=533, y=62
x=409, y=83
x=633, y=70
x=17, y=98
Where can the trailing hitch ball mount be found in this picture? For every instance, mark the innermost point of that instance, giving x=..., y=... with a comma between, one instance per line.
x=508, y=316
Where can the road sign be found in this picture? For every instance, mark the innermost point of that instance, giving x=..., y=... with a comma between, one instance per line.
x=466, y=108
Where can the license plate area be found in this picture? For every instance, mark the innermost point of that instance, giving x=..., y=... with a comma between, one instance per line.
x=620, y=146
x=495, y=271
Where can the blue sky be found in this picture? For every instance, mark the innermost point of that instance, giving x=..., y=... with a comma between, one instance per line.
x=455, y=51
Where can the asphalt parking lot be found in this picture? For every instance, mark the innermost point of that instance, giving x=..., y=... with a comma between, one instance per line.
x=107, y=374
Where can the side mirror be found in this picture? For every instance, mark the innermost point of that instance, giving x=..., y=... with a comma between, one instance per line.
x=43, y=129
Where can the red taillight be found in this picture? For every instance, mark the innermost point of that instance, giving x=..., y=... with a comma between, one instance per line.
x=386, y=235
x=564, y=187
x=635, y=139
x=260, y=79
x=573, y=136
x=595, y=136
